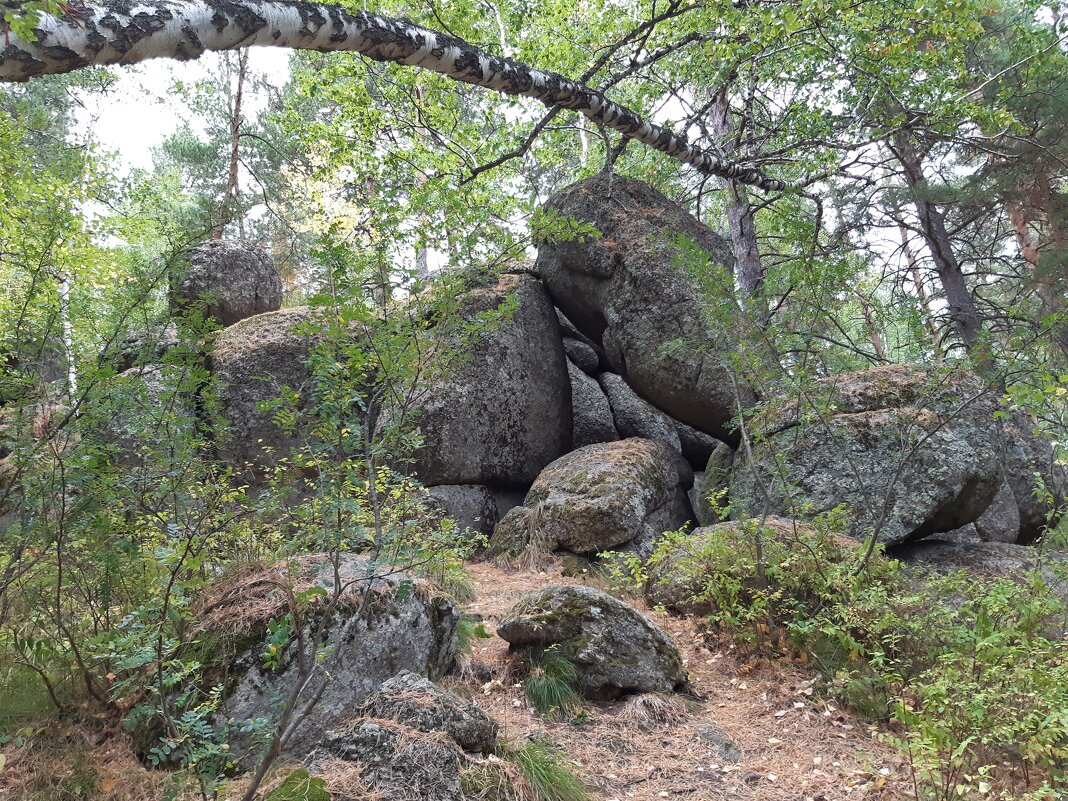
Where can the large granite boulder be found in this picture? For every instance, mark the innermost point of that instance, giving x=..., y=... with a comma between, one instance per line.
x=417, y=702
x=233, y=280
x=602, y=496
x=252, y=361
x=635, y=417
x=592, y=419
x=504, y=412
x=614, y=648
x=382, y=625
x=908, y=451
x=634, y=290
x=1030, y=457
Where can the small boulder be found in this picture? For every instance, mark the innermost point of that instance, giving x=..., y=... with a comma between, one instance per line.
x=418, y=703
x=908, y=450
x=599, y=497
x=583, y=355
x=397, y=762
x=632, y=290
x=1001, y=520
x=382, y=625
x=592, y=415
x=472, y=506
x=233, y=279
x=504, y=412
x=147, y=345
x=614, y=648
x=697, y=446
x=252, y=361
x=635, y=417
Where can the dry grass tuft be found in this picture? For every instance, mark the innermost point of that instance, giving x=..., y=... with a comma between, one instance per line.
x=653, y=710
x=344, y=780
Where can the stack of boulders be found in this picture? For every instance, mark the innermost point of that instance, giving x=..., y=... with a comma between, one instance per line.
x=603, y=407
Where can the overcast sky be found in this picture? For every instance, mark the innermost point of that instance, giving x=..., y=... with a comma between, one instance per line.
x=137, y=115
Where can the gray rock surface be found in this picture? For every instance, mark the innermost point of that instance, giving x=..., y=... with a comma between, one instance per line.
x=631, y=290
x=697, y=446
x=146, y=346
x=992, y=560
x=472, y=506
x=397, y=762
x=370, y=639
x=923, y=443
x=417, y=702
x=635, y=417
x=592, y=414
x=1001, y=520
x=1028, y=453
x=503, y=413
x=598, y=497
x=583, y=355
x=234, y=279
x=147, y=407
x=614, y=648
x=714, y=482
x=252, y=361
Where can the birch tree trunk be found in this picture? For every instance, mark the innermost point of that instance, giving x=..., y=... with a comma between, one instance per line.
x=120, y=32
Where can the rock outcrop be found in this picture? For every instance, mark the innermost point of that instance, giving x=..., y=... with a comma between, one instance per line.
x=380, y=627
x=602, y=496
x=630, y=290
x=614, y=648
x=504, y=412
x=1001, y=520
x=592, y=420
x=252, y=361
x=234, y=280
x=472, y=506
x=909, y=451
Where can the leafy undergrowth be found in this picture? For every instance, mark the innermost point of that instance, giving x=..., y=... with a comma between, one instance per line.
x=969, y=676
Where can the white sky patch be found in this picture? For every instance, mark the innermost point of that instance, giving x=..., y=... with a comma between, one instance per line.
x=139, y=111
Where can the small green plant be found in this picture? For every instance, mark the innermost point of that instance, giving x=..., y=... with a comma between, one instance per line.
x=543, y=767
x=299, y=786
x=550, y=687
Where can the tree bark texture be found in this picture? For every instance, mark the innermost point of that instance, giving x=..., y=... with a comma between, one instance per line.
x=127, y=32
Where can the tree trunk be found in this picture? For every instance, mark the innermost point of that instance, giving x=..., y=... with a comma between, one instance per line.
x=235, y=142
x=748, y=267
x=921, y=291
x=962, y=309
x=120, y=32
x=1041, y=225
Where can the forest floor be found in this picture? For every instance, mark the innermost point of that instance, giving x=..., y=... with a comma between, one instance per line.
x=795, y=745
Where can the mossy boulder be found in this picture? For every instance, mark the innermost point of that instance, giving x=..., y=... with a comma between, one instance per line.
x=384, y=622
x=908, y=451
x=602, y=496
x=504, y=412
x=231, y=279
x=639, y=289
x=417, y=702
x=252, y=361
x=614, y=648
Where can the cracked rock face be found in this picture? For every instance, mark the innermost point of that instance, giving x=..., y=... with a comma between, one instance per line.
x=614, y=648
x=908, y=451
x=504, y=412
x=602, y=496
x=634, y=290
x=233, y=279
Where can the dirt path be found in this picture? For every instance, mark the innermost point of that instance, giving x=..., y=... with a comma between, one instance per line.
x=796, y=746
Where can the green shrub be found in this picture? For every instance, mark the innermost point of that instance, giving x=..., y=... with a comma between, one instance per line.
x=973, y=673
x=550, y=687
x=542, y=766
